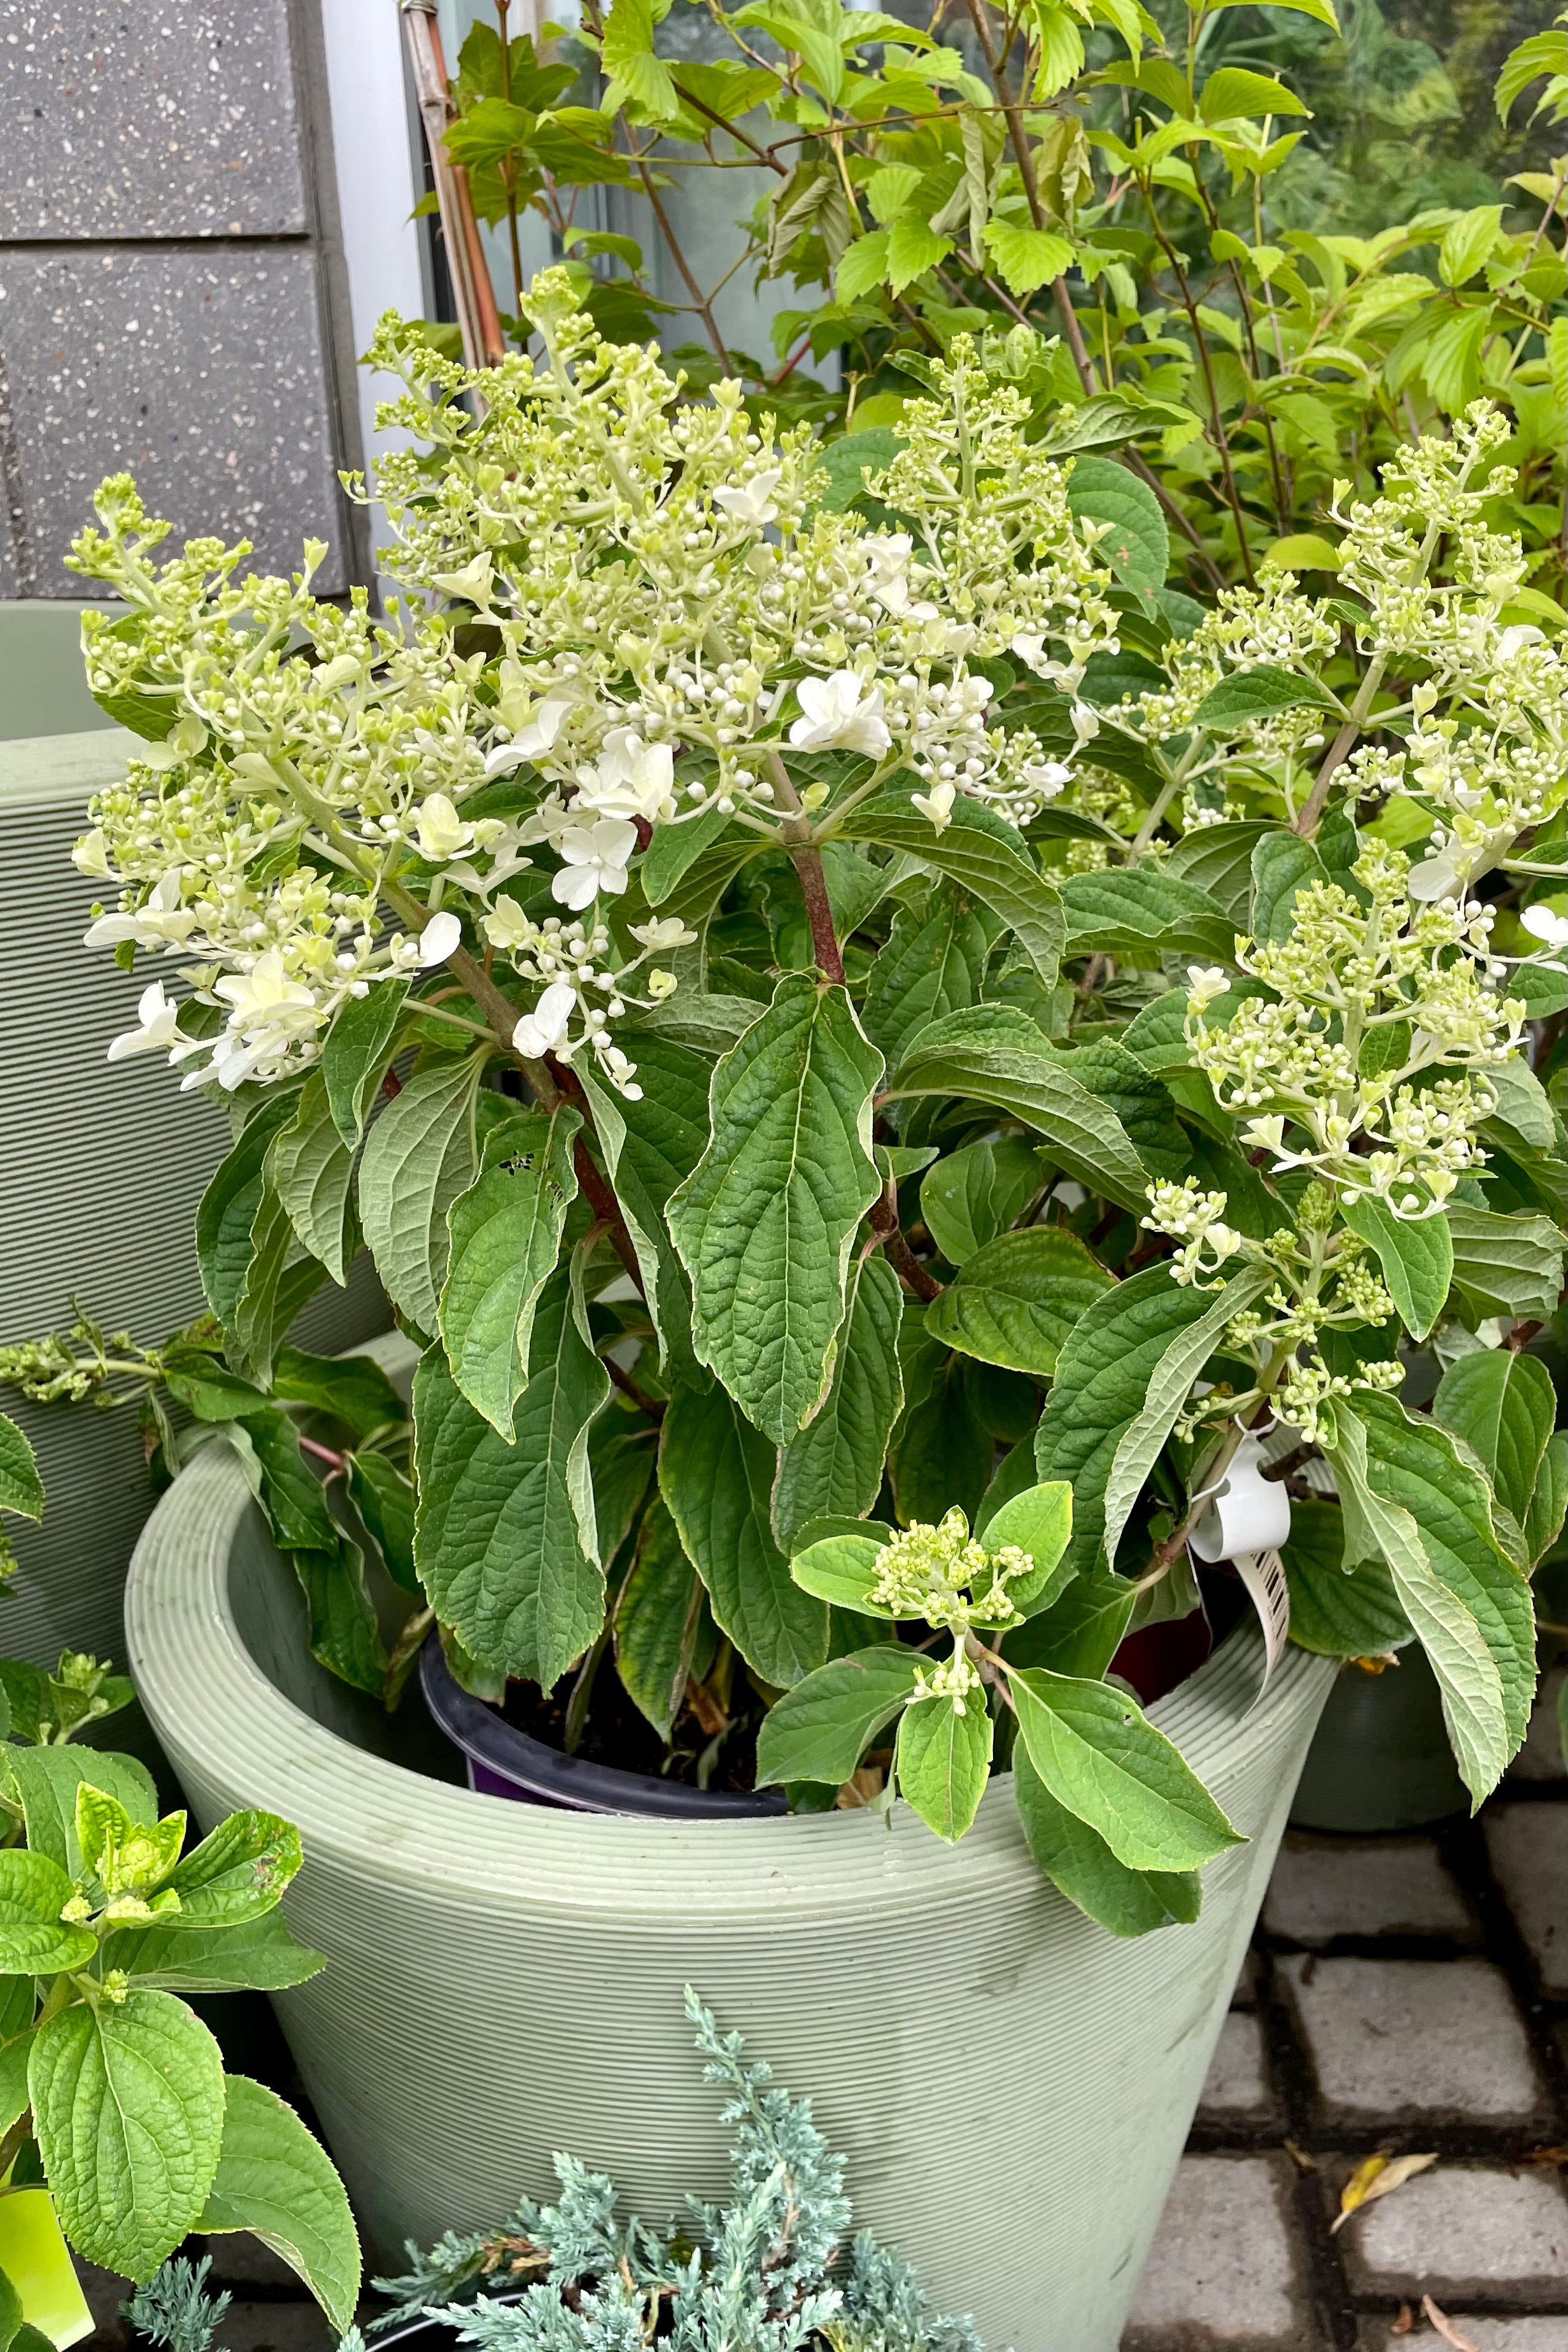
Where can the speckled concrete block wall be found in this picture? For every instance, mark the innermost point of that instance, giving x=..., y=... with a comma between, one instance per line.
x=170, y=295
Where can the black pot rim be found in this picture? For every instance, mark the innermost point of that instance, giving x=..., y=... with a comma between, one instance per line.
x=569, y=1781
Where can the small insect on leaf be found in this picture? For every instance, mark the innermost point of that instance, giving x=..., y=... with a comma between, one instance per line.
x=1377, y=2176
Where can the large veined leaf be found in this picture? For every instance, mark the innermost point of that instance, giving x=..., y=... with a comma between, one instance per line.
x=943, y=1449
x=1408, y=1495
x=1218, y=860
x=21, y=1488
x=227, y=1210
x=821, y=1728
x=665, y=1636
x=1139, y=910
x=1170, y=1385
x=505, y=1235
x=310, y=1169
x=358, y=1052
x=1282, y=866
x=933, y=964
x=45, y=1782
x=279, y=1278
x=35, y=1941
x=1142, y=1101
x=275, y=2181
x=419, y=1156
x=1003, y=1061
x=1549, y=1503
x=1503, y=1405
x=1106, y=1764
x=1507, y=1266
x=716, y=1473
x=1136, y=545
x=1101, y=1383
x=505, y=1535
x=239, y=1873
x=1015, y=1301
x=128, y=2102
x=1417, y=1259
x=1261, y=692
x=764, y=1223
x=650, y=1146
x=1338, y=1612
x=943, y=1760
x=259, y=1955
x=345, y=1637
x=974, y=1194
x=833, y=1469
x=983, y=856
x=1157, y=1037
x=1080, y=1865
x=1082, y=1629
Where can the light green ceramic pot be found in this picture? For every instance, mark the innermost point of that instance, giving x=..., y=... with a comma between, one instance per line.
x=102, y=1164
x=1012, y=2086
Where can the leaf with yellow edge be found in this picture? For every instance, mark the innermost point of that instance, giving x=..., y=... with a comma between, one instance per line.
x=1377, y=2176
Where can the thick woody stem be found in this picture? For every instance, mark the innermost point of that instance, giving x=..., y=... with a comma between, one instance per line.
x=897, y=1249
x=808, y=860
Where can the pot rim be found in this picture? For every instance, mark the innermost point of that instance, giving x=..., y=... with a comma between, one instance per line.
x=224, y=1722
x=549, y=1776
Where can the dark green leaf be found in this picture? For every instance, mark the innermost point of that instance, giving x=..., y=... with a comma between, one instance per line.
x=663, y=1627
x=821, y=1728
x=1417, y=1259
x=505, y=1235
x=1101, y=1759
x=1140, y=911
x=1338, y=1612
x=277, y=2182
x=835, y=1465
x=419, y=1155
x=1137, y=545
x=21, y=1489
x=933, y=964
x=1508, y=1265
x=1015, y=1301
x=358, y=1053
x=972, y=1195
x=983, y=856
x=1080, y=1865
x=1262, y=692
x=715, y=1473
x=1503, y=1405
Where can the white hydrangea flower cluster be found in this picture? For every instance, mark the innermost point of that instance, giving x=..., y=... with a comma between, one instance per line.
x=1272, y=624
x=628, y=611
x=1374, y=994
x=942, y=1574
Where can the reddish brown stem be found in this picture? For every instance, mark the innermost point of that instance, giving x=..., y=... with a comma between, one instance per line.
x=900, y=1256
x=607, y=1209
x=819, y=913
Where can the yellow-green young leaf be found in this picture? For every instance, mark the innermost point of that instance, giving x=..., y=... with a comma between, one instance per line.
x=1542, y=53
x=276, y=2181
x=505, y=1235
x=842, y=1568
x=34, y=1939
x=627, y=56
x=45, y=1782
x=943, y=1760
x=21, y=1489
x=505, y=1535
x=239, y=1873
x=1234, y=91
x=1014, y=1302
x=912, y=248
x=1323, y=10
x=765, y=1222
x=834, y=1466
x=128, y=2102
x=862, y=266
x=821, y=1728
x=258, y=1955
x=1059, y=35
x=1080, y=1865
x=1104, y=1762
x=716, y=1473
x=1037, y=1521
x=1027, y=258
x=418, y=1158
x=888, y=191
x=1451, y=359
x=1503, y=1405
x=1303, y=550
x=1417, y=1259
x=664, y=1634
x=1467, y=243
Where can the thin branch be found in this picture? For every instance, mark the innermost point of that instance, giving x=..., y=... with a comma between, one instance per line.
x=679, y=258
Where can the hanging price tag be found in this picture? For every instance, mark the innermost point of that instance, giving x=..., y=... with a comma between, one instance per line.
x=1263, y=1574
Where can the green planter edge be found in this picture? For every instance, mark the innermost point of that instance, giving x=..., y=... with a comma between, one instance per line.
x=1012, y=2086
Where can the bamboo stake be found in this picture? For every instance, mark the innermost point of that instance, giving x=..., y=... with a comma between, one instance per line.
x=478, y=319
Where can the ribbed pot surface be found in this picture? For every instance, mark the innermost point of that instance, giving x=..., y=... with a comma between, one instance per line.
x=1012, y=2086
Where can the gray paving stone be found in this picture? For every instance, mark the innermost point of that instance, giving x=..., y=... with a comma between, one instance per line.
x=1541, y=1758
x=200, y=372
x=1529, y=1849
x=167, y=118
x=1540, y=2333
x=1329, y=1886
x=1238, y=2089
x=1461, y=2230
x=1225, y=2269
x=1414, y=2040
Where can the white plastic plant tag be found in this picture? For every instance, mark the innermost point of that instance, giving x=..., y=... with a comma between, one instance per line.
x=1248, y=1512
x=1263, y=1574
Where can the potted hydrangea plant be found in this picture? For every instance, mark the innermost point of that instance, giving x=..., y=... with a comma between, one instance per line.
x=887, y=1066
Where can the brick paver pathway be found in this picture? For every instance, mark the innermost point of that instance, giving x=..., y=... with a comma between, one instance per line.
x=1404, y=1993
